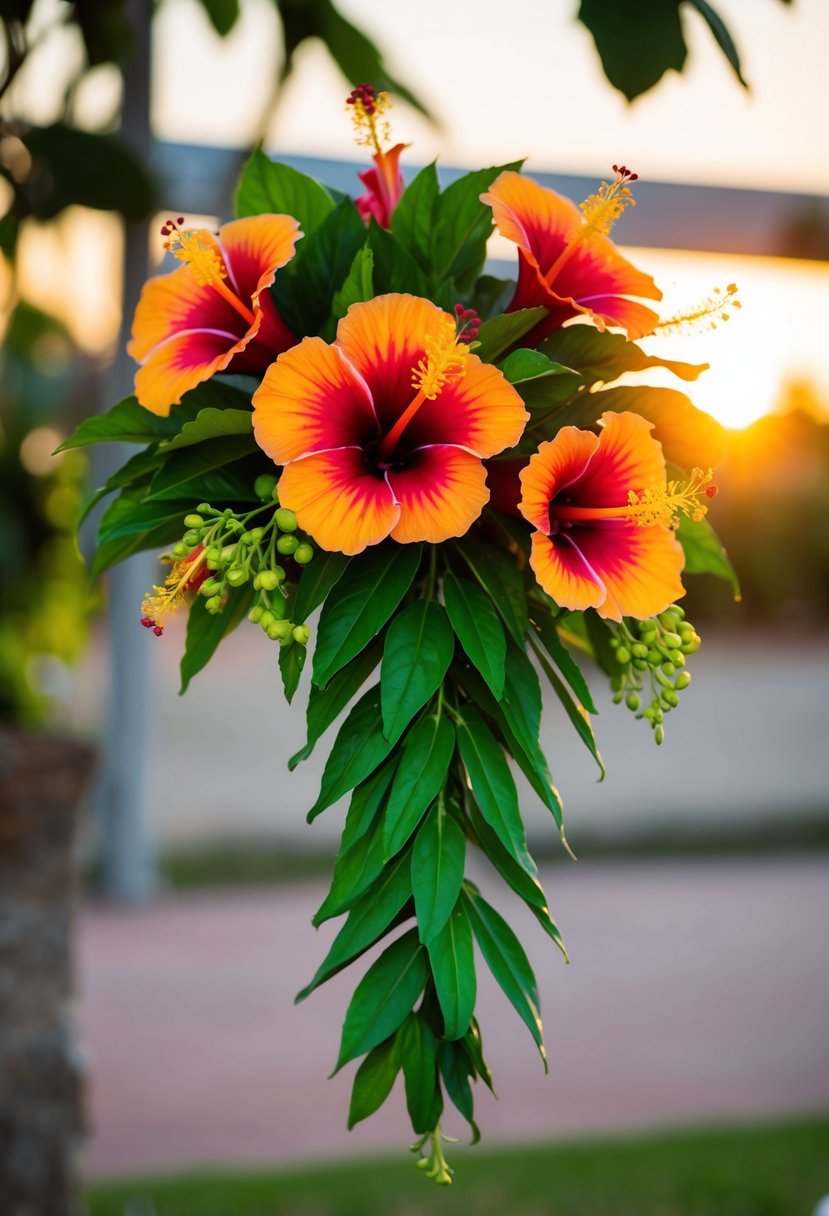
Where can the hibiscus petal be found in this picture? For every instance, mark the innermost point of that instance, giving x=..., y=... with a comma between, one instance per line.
x=341, y=502
x=254, y=248
x=311, y=399
x=480, y=411
x=384, y=339
x=179, y=364
x=627, y=458
x=170, y=303
x=557, y=464
x=441, y=492
x=536, y=219
x=563, y=572
x=639, y=567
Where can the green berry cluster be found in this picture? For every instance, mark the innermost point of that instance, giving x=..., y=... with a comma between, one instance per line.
x=245, y=548
x=651, y=664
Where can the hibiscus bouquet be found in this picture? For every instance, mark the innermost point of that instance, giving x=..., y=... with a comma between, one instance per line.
x=336, y=409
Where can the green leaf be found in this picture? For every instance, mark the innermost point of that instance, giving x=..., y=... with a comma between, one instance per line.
x=195, y=463
x=360, y=859
x=427, y=754
x=315, y=582
x=499, y=334
x=473, y=1047
x=478, y=629
x=722, y=36
x=413, y=219
x=496, y=573
x=126, y=422
x=418, y=651
x=394, y=268
x=129, y=515
x=266, y=186
x=463, y=225
x=205, y=631
x=211, y=424
x=357, y=286
x=545, y=627
x=85, y=168
x=117, y=550
x=455, y=1069
x=419, y=1055
x=366, y=923
x=438, y=856
x=384, y=997
x=453, y=970
x=326, y=704
x=137, y=471
x=507, y=961
x=360, y=748
x=600, y=355
x=704, y=553
x=304, y=289
x=523, y=365
x=223, y=14
x=374, y=1080
x=521, y=702
x=291, y=662
x=359, y=606
x=575, y=712
x=492, y=784
x=637, y=43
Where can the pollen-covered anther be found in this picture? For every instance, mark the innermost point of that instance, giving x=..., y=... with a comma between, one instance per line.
x=196, y=248
x=665, y=504
x=468, y=324
x=443, y=362
x=706, y=314
x=367, y=108
x=602, y=209
x=184, y=577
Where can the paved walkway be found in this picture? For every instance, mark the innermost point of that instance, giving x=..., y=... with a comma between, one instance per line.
x=697, y=991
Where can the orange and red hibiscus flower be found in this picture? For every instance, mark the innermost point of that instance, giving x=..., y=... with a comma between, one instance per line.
x=383, y=432
x=384, y=186
x=564, y=264
x=603, y=512
x=215, y=312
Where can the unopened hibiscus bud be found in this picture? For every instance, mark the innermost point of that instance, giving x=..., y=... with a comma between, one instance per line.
x=303, y=554
x=191, y=538
x=278, y=630
x=264, y=486
x=237, y=575
x=301, y=634
x=285, y=520
x=193, y=520
x=287, y=545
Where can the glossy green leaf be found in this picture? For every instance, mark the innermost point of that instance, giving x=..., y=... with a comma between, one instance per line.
x=413, y=219
x=438, y=857
x=384, y=997
x=424, y=763
x=455, y=1069
x=576, y=713
x=564, y=661
x=110, y=552
x=722, y=36
x=524, y=365
x=326, y=704
x=360, y=858
x=637, y=43
x=367, y=922
x=499, y=334
x=268, y=187
x=419, y=1055
x=463, y=225
x=374, y=1080
x=211, y=424
x=193, y=464
x=315, y=582
x=360, y=748
x=71, y=166
x=358, y=286
x=416, y=656
x=704, y=553
x=223, y=14
x=137, y=471
x=205, y=631
x=505, y=957
x=127, y=422
x=358, y=607
x=453, y=970
x=304, y=289
x=474, y=1048
x=493, y=784
x=600, y=355
x=394, y=267
x=521, y=702
x=291, y=662
x=497, y=575
x=478, y=628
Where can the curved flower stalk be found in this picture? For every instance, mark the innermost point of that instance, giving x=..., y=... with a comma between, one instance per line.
x=605, y=516
x=566, y=261
x=215, y=312
x=384, y=183
x=383, y=432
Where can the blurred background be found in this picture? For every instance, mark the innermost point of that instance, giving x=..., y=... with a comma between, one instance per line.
x=698, y=993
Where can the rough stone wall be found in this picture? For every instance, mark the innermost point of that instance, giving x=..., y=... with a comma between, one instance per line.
x=41, y=1121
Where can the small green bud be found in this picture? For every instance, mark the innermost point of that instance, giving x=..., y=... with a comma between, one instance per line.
x=639, y=650
x=614, y=642
x=180, y=550
x=267, y=619
x=279, y=630
x=657, y=714
x=654, y=657
x=659, y=735
x=255, y=535
x=670, y=698
x=303, y=554
x=639, y=664
x=622, y=655
x=668, y=620
x=424, y=1162
x=237, y=575
x=214, y=605
x=210, y=586
x=257, y=582
x=671, y=640
x=228, y=553
x=632, y=700
x=683, y=680
x=269, y=580
x=301, y=634
x=264, y=486
x=668, y=668
x=255, y=614
x=287, y=545
x=678, y=658
x=285, y=520
x=191, y=538
x=193, y=521
x=204, y=508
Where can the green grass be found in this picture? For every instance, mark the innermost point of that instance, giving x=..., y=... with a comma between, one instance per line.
x=772, y=1170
